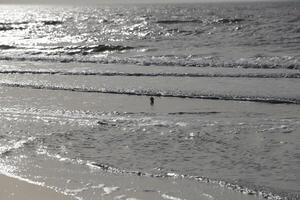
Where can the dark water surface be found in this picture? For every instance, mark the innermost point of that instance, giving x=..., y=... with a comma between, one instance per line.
x=250, y=35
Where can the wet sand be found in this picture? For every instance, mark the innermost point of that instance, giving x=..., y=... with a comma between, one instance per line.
x=14, y=189
x=172, y=188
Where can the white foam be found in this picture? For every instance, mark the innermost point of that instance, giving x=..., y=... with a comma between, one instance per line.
x=15, y=145
x=98, y=186
x=109, y=190
x=208, y=195
x=182, y=124
x=165, y=196
x=120, y=197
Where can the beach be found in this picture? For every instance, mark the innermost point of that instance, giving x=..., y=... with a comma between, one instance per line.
x=150, y=101
x=13, y=189
x=46, y=116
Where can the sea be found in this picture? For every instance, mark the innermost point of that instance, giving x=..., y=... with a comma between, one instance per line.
x=75, y=109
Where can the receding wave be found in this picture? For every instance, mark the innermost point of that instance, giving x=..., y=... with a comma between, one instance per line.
x=261, y=192
x=142, y=74
x=158, y=93
x=6, y=149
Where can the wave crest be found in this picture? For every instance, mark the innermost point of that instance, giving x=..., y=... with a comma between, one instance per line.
x=228, y=20
x=52, y=22
x=143, y=74
x=158, y=93
x=84, y=50
x=178, y=21
x=80, y=54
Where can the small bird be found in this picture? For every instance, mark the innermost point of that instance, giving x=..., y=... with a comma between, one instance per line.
x=151, y=101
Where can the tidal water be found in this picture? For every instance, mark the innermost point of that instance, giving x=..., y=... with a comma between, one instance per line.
x=75, y=83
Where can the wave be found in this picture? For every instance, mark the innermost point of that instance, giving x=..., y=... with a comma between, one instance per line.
x=5, y=47
x=68, y=51
x=14, y=145
x=193, y=113
x=23, y=25
x=142, y=74
x=52, y=22
x=279, y=63
x=184, y=32
x=45, y=22
x=13, y=23
x=178, y=21
x=228, y=20
x=157, y=93
x=215, y=21
x=86, y=50
x=95, y=49
x=8, y=28
x=257, y=191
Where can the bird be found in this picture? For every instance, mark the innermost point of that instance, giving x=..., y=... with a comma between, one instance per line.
x=151, y=101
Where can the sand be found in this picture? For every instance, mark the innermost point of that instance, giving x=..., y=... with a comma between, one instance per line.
x=14, y=189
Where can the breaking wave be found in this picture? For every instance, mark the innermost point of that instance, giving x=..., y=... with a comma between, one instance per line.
x=79, y=54
x=260, y=192
x=14, y=145
x=142, y=74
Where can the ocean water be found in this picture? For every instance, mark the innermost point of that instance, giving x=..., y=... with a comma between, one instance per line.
x=75, y=83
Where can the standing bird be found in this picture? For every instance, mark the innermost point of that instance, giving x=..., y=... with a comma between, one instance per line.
x=151, y=101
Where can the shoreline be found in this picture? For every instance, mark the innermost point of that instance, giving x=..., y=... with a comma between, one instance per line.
x=14, y=100
x=34, y=113
x=161, y=188
x=14, y=189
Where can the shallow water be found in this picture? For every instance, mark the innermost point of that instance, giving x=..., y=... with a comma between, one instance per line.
x=75, y=113
x=253, y=145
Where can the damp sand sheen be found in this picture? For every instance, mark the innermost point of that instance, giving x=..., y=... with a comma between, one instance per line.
x=14, y=189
